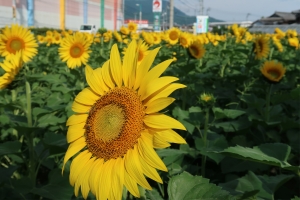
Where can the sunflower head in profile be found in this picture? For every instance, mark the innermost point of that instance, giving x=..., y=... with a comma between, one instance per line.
x=117, y=125
x=172, y=35
x=196, y=50
x=262, y=47
x=124, y=30
x=132, y=27
x=74, y=49
x=273, y=71
x=11, y=65
x=18, y=38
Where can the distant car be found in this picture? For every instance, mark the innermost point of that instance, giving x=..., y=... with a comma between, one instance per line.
x=88, y=28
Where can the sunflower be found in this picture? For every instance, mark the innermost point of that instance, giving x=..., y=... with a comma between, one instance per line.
x=17, y=38
x=196, y=50
x=294, y=42
x=117, y=125
x=273, y=71
x=124, y=30
x=132, y=27
x=172, y=35
x=156, y=38
x=185, y=40
x=11, y=65
x=262, y=48
x=117, y=36
x=74, y=50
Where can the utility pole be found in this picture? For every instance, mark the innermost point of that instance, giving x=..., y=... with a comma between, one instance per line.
x=201, y=7
x=171, y=14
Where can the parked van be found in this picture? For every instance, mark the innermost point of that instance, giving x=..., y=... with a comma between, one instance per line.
x=89, y=28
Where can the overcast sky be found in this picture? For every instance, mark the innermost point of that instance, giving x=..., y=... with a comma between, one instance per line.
x=237, y=10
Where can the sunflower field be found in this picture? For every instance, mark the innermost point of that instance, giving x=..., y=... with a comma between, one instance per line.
x=168, y=115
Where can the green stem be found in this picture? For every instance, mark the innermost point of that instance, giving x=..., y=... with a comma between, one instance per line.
x=203, y=163
x=268, y=98
x=271, y=53
x=222, y=71
x=28, y=99
x=29, y=135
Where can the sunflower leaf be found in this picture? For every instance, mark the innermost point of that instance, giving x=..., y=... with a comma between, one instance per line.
x=186, y=187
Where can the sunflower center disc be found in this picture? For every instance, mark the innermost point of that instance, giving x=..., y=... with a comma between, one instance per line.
x=108, y=123
x=173, y=35
x=275, y=74
x=76, y=51
x=15, y=44
x=194, y=50
x=114, y=123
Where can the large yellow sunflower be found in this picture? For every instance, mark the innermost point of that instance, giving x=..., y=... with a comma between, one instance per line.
x=16, y=38
x=172, y=35
x=117, y=125
x=273, y=71
x=11, y=65
x=74, y=49
x=262, y=47
x=196, y=50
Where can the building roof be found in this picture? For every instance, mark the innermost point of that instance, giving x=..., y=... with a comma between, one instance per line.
x=286, y=16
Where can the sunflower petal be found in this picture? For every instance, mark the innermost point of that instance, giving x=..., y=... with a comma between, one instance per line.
x=118, y=178
x=159, y=104
x=105, y=182
x=170, y=136
x=129, y=65
x=115, y=65
x=131, y=185
x=159, y=143
x=155, y=72
x=93, y=80
x=83, y=179
x=106, y=75
x=75, y=131
x=85, y=188
x=76, y=119
x=148, y=153
x=162, y=121
x=148, y=170
x=74, y=148
x=77, y=164
x=96, y=172
x=134, y=169
x=80, y=108
x=156, y=85
x=144, y=67
x=87, y=97
x=164, y=92
x=99, y=74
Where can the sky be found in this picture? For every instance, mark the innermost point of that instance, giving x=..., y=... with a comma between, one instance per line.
x=237, y=10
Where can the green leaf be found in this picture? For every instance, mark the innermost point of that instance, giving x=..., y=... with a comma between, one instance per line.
x=5, y=173
x=170, y=152
x=10, y=147
x=179, y=113
x=153, y=195
x=266, y=186
x=215, y=142
x=58, y=187
x=235, y=125
x=195, y=109
x=187, y=187
x=4, y=119
x=55, y=139
x=275, y=154
x=229, y=113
